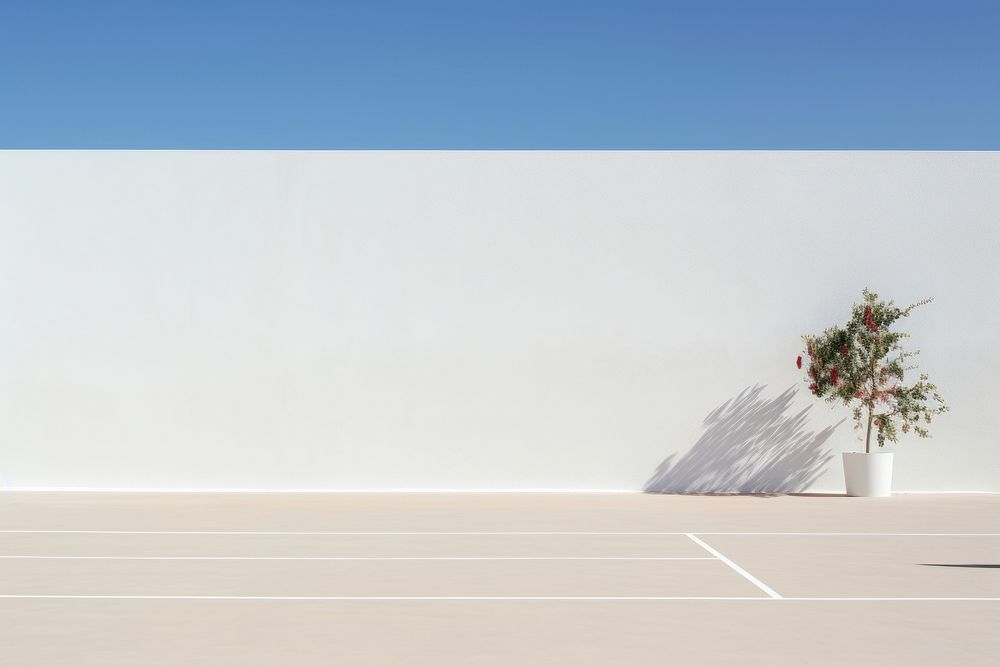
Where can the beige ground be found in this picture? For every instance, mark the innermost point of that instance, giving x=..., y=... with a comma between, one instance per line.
x=235, y=579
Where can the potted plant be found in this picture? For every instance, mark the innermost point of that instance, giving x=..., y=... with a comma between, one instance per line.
x=862, y=365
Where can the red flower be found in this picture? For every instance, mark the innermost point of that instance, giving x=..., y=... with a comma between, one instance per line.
x=844, y=351
x=859, y=394
x=809, y=350
x=798, y=361
x=833, y=375
x=869, y=322
x=812, y=387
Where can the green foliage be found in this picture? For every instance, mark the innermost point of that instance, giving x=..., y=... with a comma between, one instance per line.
x=862, y=365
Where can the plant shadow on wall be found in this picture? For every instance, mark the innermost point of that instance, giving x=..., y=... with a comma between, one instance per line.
x=750, y=445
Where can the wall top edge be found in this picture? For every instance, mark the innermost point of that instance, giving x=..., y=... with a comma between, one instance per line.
x=570, y=151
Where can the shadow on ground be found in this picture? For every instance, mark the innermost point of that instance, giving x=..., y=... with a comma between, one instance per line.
x=750, y=445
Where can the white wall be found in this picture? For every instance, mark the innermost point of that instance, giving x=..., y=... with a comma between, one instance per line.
x=477, y=320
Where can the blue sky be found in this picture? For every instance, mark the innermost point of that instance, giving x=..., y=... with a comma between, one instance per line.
x=504, y=74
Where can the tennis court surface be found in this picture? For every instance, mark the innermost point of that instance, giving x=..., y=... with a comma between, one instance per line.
x=497, y=579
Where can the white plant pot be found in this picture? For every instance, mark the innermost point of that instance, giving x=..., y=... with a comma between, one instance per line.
x=868, y=475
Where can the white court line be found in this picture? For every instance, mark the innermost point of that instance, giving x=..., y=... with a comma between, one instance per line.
x=318, y=532
x=865, y=534
x=366, y=597
x=746, y=575
x=362, y=558
x=924, y=599
x=473, y=598
x=540, y=532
